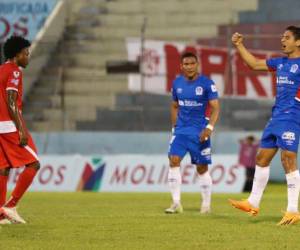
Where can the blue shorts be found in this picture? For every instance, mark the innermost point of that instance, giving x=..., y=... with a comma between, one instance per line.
x=281, y=134
x=200, y=152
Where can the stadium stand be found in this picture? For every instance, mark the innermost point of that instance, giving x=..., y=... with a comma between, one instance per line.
x=262, y=36
x=75, y=93
x=262, y=29
x=270, y=11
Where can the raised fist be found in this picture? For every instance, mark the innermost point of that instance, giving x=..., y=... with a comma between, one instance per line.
x=237, y=38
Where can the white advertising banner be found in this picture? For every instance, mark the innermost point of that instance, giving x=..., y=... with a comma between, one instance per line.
x=148, y=173
x=128, y=173
x=161, y=65
x=64, y=173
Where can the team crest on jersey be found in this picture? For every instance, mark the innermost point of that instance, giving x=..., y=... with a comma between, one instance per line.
x=206, y=151
x=15, y=81
x=179, y=90
x=213, y=88
x=289, y=137
x=280, y=66
x=16, y=74
x=294, y=68
x=199, y=91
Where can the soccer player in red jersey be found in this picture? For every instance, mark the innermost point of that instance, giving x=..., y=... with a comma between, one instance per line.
x=17, y=148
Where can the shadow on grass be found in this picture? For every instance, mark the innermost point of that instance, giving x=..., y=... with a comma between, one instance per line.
x=267, y=218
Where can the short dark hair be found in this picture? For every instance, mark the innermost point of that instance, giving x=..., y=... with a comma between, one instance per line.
x=14, y=45
x=250, y=138
x=295, y=30
x=188, y=54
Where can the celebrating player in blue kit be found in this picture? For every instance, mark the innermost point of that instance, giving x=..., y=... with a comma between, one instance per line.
x=283, y=129
x=193, y=95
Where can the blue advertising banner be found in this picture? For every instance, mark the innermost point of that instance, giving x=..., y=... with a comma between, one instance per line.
x=23, y=17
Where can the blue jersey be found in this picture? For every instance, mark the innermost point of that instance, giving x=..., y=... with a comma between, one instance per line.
x=287, y=103
x=192, y=98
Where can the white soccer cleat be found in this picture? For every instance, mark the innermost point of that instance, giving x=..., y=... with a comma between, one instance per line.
x=174, y=209
x=205, y=210
x=5, y=222
x=12, y=215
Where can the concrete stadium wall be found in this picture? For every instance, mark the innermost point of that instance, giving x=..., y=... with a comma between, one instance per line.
x=113, y=143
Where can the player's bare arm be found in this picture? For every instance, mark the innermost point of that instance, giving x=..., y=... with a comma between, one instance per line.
x=16, y=116
x=253, y=62
x=174, y=111
x=215, y=110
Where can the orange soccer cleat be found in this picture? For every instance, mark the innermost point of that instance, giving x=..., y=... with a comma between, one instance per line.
x=289, y=218
x=245, y=206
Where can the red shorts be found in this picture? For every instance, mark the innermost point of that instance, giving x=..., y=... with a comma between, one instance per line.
x=12, y=154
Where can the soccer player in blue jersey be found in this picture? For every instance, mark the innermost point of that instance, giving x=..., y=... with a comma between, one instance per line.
x=283, y=129
x=192, y=95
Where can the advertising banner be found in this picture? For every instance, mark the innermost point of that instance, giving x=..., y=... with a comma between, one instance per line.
x=161, y=65
x=128, y=173
x=149, y=173
x=23, y=17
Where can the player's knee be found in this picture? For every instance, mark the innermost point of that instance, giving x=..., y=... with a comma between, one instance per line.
x=174, y=161
x=261, y=160
x=288, y=159
x=202, y=169
x=5, y=171
x=36, y=165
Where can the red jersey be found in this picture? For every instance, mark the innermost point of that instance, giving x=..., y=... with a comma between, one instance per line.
x=10, y=79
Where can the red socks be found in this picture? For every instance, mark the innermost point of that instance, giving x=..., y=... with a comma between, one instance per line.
x=3, y=189
x=24, y=181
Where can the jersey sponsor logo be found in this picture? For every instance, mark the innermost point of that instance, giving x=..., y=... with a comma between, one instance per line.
x=16, y=74
x=214, y=88
x=284, y=80
x=294, y=68
x=188, y=103
x=289, y=137
x=15, y=81
x=206, y=151
x=199, y=91
x=280, y=66
x=179, y=90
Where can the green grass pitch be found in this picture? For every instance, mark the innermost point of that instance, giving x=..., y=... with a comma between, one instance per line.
x=137, y=221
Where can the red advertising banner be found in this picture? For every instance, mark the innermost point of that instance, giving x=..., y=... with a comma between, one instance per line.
x=161, y=65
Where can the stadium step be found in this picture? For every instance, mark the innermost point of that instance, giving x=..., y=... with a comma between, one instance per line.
x=45, y=101
x=108, y=46
x=129, y=120
x=77, y=114
x=51, y=125
x=165, y=33
x=157, y=21
x=131, y=100
x=98, y=87
x=172, y=7
x=85, y=74
x=264, y=15
x=90, y=101
x=89, y=60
